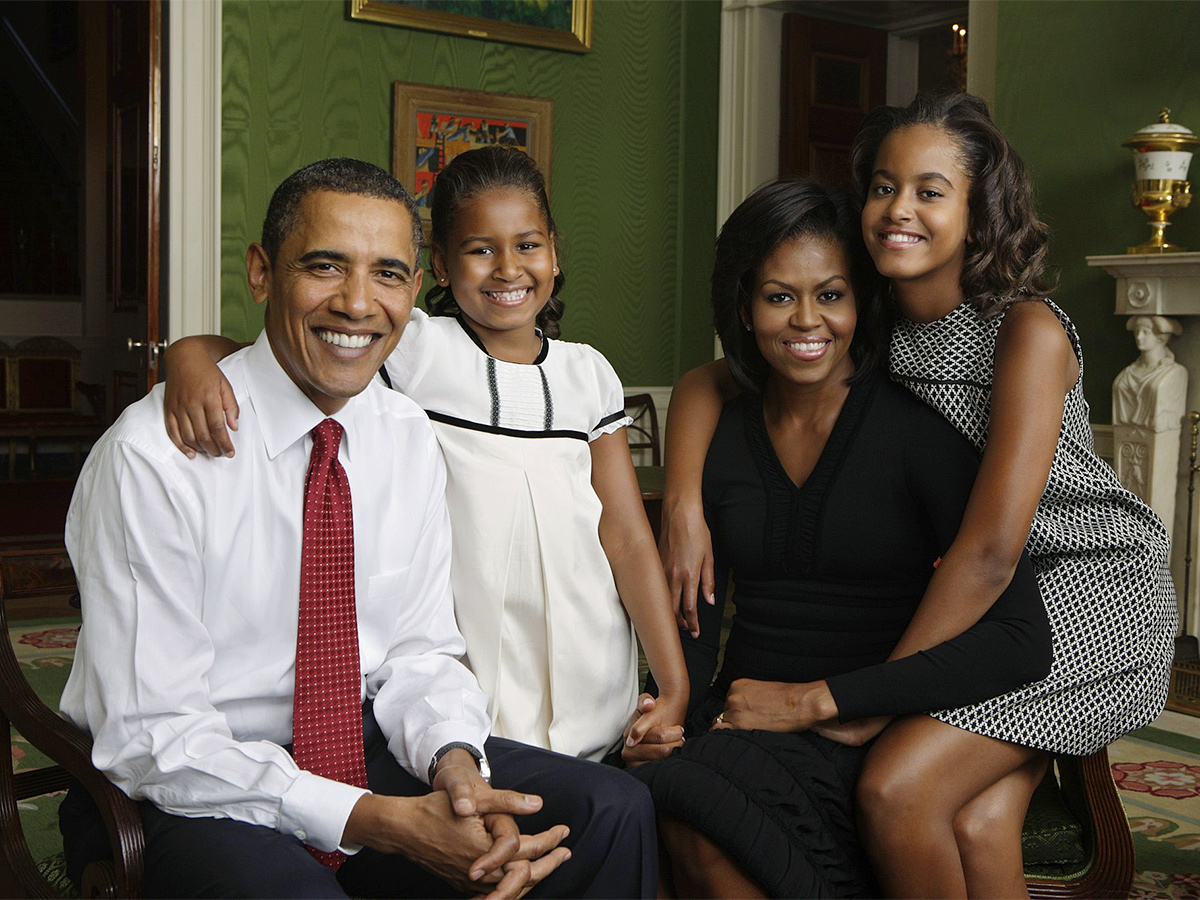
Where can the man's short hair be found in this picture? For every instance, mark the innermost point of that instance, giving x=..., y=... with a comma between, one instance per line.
x=342, y=175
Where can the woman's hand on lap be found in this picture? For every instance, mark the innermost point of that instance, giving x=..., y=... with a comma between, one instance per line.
x=780, y=706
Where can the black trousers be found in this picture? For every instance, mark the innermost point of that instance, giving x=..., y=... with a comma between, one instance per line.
x=612, y=840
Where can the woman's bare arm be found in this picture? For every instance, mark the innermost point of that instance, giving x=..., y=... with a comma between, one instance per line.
x=684, y=542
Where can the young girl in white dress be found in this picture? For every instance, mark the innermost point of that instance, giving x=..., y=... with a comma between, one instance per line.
x=552, y=553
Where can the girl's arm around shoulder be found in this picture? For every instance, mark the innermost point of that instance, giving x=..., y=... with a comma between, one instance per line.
x=198, y=401
x=685, y=544
x=629, y=545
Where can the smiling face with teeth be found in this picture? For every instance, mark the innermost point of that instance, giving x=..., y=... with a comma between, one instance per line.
x=499, y=260
x=338, y=293
x=803, y=313
x=916, y=218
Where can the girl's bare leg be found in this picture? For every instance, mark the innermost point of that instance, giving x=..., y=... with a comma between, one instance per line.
x=988, y=833
x=917, y=779
x=701, y=869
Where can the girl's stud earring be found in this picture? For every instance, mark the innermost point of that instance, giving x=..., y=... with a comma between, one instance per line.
x=747, y=326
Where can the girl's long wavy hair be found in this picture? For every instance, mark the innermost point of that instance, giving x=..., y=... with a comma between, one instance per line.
x=466, y=177
x=1006, y=255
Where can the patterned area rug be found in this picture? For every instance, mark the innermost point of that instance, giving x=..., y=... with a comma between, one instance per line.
x=44, y=650
x=1158, y=773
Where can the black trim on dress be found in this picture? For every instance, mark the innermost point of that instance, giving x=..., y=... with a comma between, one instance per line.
x=496, y=429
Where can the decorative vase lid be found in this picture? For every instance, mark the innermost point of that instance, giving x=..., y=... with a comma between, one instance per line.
x=1163, y=135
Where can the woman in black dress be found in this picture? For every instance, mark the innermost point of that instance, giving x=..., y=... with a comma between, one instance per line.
x=830, y=495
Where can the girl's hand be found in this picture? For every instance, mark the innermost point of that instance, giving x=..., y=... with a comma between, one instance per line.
x=856, y=733
x=780, y=706
x=655, y=729
x=198, y=403
x=685, y=546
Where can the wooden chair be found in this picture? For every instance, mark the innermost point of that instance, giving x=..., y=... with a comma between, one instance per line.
x=643, y=433
x=47, y=573
x=1079, y=807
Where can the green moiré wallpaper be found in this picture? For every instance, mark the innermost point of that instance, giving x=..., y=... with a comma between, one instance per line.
x=634, y=168
x=1074, y=79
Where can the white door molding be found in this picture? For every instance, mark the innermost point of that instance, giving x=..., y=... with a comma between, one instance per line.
x=193, y=189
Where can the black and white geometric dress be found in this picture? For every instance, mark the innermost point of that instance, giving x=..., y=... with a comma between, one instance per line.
x=1099, y=552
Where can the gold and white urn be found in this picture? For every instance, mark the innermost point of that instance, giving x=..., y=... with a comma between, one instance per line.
x=1162, y=153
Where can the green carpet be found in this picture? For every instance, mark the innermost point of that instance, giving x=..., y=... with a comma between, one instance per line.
x=44, y=650
x=1158, y=773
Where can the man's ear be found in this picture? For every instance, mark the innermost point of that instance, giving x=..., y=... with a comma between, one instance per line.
x=258, y=272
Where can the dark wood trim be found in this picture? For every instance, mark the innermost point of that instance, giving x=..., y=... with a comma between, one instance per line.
x=1111, y=872
x=40, y=573
x=154, y=190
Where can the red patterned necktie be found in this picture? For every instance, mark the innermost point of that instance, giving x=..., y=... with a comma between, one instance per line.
x=327, y=735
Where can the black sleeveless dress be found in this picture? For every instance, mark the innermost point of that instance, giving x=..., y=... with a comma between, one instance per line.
x=826, y=577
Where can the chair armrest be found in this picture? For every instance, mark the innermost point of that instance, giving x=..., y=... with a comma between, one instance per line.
x=71, y=748
x=1088, y=786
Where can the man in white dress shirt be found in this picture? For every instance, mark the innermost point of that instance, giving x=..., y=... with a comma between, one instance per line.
x=190, y=574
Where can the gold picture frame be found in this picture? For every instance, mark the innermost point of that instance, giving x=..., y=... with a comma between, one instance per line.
x=431, y=125
x=392, y=12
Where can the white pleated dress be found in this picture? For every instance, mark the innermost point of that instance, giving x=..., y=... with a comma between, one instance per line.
x=547, y=635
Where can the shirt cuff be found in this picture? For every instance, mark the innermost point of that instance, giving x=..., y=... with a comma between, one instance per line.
x=315, y=810
x=437, y=737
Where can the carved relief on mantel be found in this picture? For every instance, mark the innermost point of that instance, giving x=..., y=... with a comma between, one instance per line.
x=1160, y=295
x=1166, y=284
x=1149, y=403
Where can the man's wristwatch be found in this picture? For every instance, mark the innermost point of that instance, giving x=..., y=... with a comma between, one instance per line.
x=485, y=770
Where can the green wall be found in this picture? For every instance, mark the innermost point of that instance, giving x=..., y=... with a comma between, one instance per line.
x=1074, y=79
x=634, y=168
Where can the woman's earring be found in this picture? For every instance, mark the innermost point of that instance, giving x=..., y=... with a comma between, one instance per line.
x=556, y=270
x=747, y=326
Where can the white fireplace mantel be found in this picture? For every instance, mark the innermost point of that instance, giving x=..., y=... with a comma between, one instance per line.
x=1165, y=284
x=1154, y=284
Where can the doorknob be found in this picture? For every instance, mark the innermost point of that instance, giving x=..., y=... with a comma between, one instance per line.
x=153, y=347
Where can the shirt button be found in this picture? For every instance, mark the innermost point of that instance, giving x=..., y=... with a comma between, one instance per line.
x=300, y=834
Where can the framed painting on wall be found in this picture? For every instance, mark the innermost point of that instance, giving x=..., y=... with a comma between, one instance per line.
x=432, y=125
x=554, y=24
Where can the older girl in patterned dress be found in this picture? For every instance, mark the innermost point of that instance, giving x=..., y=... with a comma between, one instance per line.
x=948, y=219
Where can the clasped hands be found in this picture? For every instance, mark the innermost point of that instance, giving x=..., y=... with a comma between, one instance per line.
x=463, y=831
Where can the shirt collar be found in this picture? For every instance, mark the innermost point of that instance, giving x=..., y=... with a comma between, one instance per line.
x=285, y=414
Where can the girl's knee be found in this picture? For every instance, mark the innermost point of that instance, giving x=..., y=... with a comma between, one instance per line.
x=886, y=795
x=978, y=831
